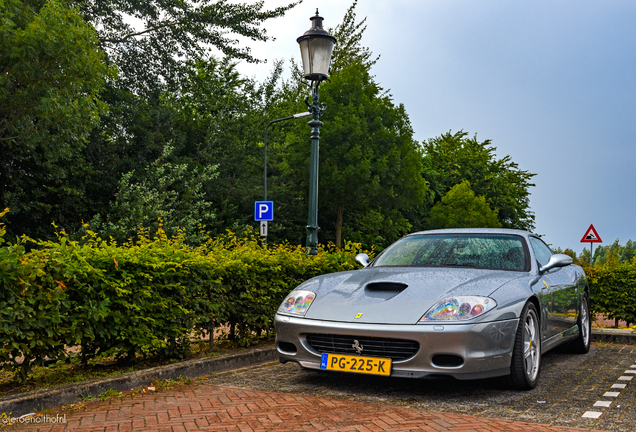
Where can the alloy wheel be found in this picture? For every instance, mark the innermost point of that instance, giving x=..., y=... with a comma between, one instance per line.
x=585, y=321
x=531, y=345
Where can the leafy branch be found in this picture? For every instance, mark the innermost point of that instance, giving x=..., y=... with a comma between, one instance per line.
x=140, y=33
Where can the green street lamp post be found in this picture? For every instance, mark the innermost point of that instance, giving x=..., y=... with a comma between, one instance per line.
x=316, y=46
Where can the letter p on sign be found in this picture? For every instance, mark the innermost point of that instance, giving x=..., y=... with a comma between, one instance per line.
x=264, y=210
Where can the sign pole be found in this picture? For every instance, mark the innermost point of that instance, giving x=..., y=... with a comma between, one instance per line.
x=263, y=212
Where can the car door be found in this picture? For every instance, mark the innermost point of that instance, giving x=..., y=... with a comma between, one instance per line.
x=558, y=289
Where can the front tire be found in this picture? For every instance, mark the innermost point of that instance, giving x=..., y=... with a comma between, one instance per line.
x=526, y=354
x=582, y=344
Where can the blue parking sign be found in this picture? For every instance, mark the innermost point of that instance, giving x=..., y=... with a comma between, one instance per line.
x=263, y=210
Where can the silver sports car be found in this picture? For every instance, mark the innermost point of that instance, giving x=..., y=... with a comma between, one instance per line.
x=466, y=303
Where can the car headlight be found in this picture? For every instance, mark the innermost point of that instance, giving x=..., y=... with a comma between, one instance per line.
x=459, y=308
x=297, y=303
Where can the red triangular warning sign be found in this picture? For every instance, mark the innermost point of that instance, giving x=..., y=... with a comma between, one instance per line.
x=591, y=236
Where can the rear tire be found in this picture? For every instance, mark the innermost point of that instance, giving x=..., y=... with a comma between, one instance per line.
x=526, y=354
x=582, y=344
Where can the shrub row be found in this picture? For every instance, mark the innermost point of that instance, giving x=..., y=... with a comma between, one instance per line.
x=150, y=296
x=146, y=297
x=613, y=290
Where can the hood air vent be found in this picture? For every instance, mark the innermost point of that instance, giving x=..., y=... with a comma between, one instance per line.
x=386, y=287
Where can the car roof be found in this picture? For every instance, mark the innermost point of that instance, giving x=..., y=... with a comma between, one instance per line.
x=475, y=231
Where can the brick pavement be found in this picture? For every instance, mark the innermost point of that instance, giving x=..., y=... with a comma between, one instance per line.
x=215, y=408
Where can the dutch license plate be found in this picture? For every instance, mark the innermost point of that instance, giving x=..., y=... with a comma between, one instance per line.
x=357, y=364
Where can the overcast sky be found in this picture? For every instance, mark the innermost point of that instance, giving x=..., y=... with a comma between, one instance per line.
x=551, y=83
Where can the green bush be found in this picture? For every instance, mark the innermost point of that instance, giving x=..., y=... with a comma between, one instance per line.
x=143, y=297
x=253, y=280
x=32, y=304
x=613, y=289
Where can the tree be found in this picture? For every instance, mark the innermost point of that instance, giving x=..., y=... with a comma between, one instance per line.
x=171, y=89
x=219, y=118
x=170, y=194
x=171, y=33
x=460, y=208
x=452, y=158
x=585, y=257
x=615, y=252
x=51, y=73
x=53, y=174
x=369, y=162
x=349, y=49
x=131, y=136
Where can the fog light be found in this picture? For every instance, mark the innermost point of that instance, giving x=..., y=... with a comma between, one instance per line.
x=287, y=348
x=447, y=360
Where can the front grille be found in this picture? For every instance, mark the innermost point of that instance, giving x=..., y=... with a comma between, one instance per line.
x=395, y=349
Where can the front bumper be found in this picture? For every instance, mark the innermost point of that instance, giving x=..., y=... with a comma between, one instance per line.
x=486, y=348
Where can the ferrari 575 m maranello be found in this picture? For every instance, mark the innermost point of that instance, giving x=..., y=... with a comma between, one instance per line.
x=465, y=303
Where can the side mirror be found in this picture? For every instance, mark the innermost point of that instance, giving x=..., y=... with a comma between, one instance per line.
x=362, y=259
x=556, y=260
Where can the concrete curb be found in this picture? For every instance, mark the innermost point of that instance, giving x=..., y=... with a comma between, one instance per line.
x=39, y=400
x=611, y=335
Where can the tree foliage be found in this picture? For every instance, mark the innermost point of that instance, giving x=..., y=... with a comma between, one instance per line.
x=219, y=118
x=168, y=195
x=154, y=46
x=615, y=252
x=349, y=49
x=179, y=132
x=460, y=208
x=452, y=158
x=51, y=74
x=55, y=175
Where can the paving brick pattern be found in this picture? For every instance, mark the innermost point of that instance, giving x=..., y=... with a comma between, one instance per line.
x=569, y=386
x=277, y=397
x=215, y=408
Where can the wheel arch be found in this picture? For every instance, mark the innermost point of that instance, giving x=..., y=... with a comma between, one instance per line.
x=535, y=301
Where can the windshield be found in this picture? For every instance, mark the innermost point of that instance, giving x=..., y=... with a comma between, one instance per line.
x=488, y=251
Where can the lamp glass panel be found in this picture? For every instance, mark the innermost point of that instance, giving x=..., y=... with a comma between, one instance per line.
x=304, y=52
x=316, y=54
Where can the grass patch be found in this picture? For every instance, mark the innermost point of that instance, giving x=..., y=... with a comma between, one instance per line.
x=72, y=371
x=109, y=393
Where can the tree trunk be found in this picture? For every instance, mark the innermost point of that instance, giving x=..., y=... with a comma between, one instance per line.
x=339, y=227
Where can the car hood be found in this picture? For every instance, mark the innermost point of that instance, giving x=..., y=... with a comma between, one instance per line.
x=396, y=295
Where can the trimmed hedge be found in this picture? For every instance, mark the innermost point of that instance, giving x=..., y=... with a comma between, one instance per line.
x=146, y=297
x=613, y=290
x=150, y=296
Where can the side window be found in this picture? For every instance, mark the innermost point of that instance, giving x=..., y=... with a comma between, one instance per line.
x=541, y=251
